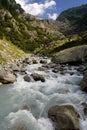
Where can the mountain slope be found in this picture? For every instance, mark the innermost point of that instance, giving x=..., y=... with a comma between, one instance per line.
x=76, y=19
x=24, y=30
x=72, y=24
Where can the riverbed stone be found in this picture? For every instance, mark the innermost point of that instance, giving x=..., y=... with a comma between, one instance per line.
x=34, y=61
x=43, y=61
x=84, y=104
x=73, y=55
x=9, y=78
x=84, y=83
x=85, y=110
x=55, y=70
x=20, y=126
x=38, y=77
x=81, y=68
x=41, y=68
x=26, y=60
x=27, y=78
x=26, y=107
x=1, y=84
x=64, y=117
x=6, y=76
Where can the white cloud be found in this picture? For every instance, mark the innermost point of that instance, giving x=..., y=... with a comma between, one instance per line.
x=37, y=9
x=52, y=16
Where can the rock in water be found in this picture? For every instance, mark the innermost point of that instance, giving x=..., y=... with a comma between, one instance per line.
x=27, y=78
x=85, y=110
x=26, y=60
x=84, y=83
x=65, y=117
x=72, y=55
x=38, y=77
x=1, y=84
x=43, y=61
x=6, y=76
x=34, y=61
x=9, y=78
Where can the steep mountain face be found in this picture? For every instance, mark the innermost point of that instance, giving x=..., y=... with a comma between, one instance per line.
x=24, y=30
x=11, y=6
x=76, y=19
x=72, y=24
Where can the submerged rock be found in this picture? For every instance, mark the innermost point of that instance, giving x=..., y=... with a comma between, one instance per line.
x=26, y=107
x=84, y=83
x=41, y=68
x=38, y=77
x=64, y=117
x=19, y=127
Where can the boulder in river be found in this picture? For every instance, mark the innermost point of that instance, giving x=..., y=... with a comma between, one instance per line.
x=84, y=83
x=26, y=60
x=55, y=70
x=43, y=61
x=6, y=76
x=72, y=55
x=27, y=78
x=1, y=84
x=64, y=117
x=41, y=68
x=38, y=77
x=34, y=61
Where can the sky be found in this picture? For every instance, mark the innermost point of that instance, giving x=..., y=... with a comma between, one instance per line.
x=48, y=9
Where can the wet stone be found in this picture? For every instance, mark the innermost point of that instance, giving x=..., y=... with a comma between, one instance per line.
x=38, y=77
x=27, y=78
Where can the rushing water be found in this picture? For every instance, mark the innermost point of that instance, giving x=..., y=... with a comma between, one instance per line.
x=56, y=90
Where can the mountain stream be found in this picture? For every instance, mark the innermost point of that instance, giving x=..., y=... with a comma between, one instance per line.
x=38, y=97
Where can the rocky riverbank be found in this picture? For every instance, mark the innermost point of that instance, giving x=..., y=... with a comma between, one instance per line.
x=9, y=71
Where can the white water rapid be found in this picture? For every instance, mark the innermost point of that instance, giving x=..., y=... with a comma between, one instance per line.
x=39, y=97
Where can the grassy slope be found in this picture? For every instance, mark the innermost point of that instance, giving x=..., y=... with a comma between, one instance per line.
x=9, y=52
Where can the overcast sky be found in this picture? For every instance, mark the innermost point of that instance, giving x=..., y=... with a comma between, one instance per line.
x=48, y=8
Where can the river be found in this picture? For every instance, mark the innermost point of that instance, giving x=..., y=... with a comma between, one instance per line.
x=39, y=96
